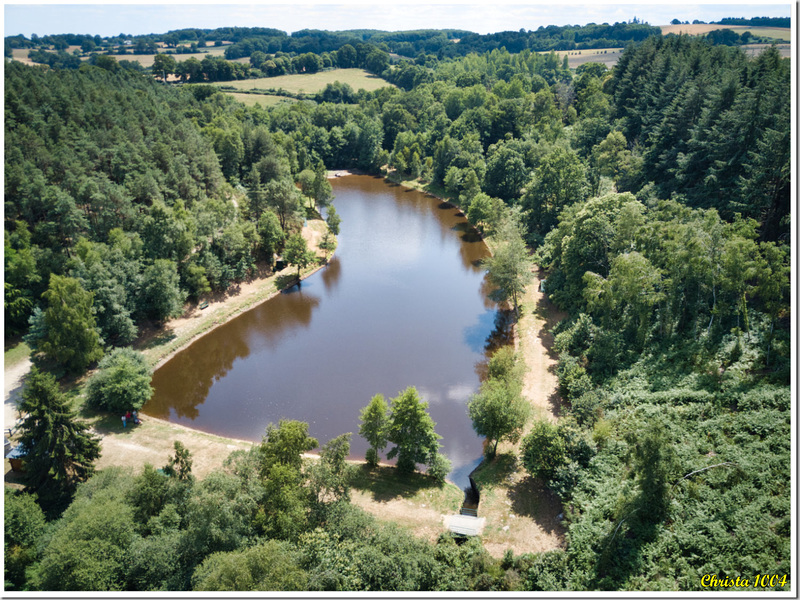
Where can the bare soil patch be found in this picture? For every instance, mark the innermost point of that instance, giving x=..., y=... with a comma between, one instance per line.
x=535, y=342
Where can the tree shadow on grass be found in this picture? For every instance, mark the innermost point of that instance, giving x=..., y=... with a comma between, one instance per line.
x=531, y=498
x=286, y=282
x=387, y=483
x=497, y=471
x=106, y=423
x=155, y=339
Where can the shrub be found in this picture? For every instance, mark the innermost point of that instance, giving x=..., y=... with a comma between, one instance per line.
x=439, y=467
x=543, y=450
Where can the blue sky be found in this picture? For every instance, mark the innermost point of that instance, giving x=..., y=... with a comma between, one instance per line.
x=480, y=17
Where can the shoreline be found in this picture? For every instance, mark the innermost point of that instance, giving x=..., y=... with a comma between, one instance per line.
x=195, y=323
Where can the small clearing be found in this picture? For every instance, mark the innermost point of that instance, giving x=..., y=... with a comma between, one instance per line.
x=311, y=83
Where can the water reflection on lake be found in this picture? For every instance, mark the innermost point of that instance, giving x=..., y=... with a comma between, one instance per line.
x=403, y=303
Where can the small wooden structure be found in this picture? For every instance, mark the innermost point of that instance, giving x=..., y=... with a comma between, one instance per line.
x=15, y=457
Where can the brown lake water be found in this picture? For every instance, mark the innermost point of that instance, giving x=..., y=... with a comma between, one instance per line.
x=402, y=303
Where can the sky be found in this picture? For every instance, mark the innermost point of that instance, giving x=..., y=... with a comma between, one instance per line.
x=480, y=17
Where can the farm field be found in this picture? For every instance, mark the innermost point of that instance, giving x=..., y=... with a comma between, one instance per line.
x=146, y=60
x=606, y=56
x=779, y=33
x=313, y=82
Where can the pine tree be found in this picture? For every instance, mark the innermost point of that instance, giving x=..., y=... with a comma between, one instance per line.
x=60, y=450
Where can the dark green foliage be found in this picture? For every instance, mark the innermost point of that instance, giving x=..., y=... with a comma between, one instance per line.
x=122, y=382
x=60, y=450
x=180, y=465
x=543, y=450
x=162, y=297
x=704, y=127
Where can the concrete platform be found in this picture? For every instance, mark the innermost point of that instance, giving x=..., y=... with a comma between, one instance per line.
x=465, y=525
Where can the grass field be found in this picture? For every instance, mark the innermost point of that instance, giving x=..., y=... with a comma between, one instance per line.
x=263, y=99
x=313, y=82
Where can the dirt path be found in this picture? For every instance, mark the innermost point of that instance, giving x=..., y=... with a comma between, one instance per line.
x=12, y=388
x=535, y=342
x=521, y=513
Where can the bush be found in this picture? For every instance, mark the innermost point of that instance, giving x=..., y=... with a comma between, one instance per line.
x=439, y=467
x=587, y=409
x=573, y=381
x=122, y=382
x=543, y=450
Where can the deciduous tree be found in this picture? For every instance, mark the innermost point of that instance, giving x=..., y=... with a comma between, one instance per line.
x=71, y=337
x=122, y=382
x=412, y=431
x=374, y=427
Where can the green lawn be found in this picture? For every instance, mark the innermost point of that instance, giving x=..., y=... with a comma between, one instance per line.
x=16, y=354
x=311, y=83
x=263, y=99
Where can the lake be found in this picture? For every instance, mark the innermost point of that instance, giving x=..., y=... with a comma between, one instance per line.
x=402, y=303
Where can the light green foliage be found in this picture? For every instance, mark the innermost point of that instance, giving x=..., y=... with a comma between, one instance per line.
x=498, y=412
x=321, y=189
x=156, y=561
x=219, y=517
x=296, y=252
x=485, y=212
x=412, y=431
x=71, y=337
x=509, y=269
x=333, y=220
x=285, y=199
x=88, y=547
x=285, y=445
x=283, y=513
x=122, y=382
x=330, y=475
x=271, y=565
x=375, y=426
x=24, y=523
x=60, y=449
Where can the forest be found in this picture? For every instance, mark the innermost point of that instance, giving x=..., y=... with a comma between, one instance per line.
x=654, y=196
